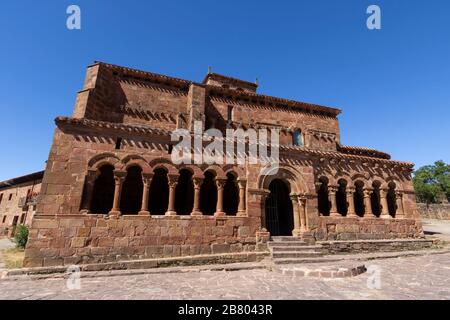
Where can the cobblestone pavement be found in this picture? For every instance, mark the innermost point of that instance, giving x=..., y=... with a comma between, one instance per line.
x=423, y=277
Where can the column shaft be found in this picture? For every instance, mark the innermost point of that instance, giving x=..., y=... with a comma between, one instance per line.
x=147, y=180
x=220, y=183
x=400, y=213
x=242, y=200
x=384, y=204
x=351, y=203
x=119, y=177
x=197, y=187
x=173, y=181
x=368, y=204
x=296, y=213
x=332, y=198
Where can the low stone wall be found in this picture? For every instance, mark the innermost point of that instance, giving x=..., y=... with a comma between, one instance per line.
x=434, y=211
x=366, y=246
x=345, y=228
x=66, y=240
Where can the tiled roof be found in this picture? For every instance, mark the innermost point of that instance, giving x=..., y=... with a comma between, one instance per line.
x=230, y=79
x=18, y=180
x=363, y=151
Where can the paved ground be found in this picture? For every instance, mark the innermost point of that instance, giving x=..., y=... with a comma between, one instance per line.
x=437, y=228
x=422, y=277
x=425, y=277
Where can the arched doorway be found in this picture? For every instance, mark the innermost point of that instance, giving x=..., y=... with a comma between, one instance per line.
x=279, y=213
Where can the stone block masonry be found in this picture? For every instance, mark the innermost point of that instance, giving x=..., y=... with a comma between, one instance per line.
x=111, y=192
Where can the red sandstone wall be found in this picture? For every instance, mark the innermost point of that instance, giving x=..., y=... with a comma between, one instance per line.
x=309, y=124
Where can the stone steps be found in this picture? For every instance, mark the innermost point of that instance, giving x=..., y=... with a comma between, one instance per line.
x=287, y=239
x=278, y=248
x=305, y=260
x=287, y=250
x=295, y=254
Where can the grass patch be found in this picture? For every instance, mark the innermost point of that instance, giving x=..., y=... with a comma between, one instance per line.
x=13, y=258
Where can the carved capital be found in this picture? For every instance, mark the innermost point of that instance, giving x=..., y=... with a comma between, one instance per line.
x=220, y=183
x=173, y=180
x=147, y=178
x=350, y=190
x=242, y=183
x=197, y=182
x=368, y=192
x=119, y=176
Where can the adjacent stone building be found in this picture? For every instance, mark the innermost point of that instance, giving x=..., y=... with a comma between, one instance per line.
x=111, y=192
x=18, y=199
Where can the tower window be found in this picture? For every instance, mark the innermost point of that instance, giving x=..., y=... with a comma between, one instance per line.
x=118, y=143
x=230, y=113
x=10, y=197
x=297, y=138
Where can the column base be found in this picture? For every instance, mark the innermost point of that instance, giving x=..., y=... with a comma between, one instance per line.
x=171, y=213
x=369, y=215
x=144, y=213
x=220, y=214
x=352, y=215
x=84, y=211
x=335, y=214
x=115, y=213
x=385, y=216
x=242, y=213
x=196, y=213
x=296, y=233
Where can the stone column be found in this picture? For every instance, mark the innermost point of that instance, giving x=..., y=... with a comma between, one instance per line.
x=384, y=204
x=351, y=202
x=242, y=212
x=220, y=183
x=332, y=198
x=197, y=186
x=400, y=213
x=89, y=191
x=302, y=205
x=173, y=181
x=264, y=195
x=368, y=203
x=146, y=180
x=295, y=211
x=119, y=177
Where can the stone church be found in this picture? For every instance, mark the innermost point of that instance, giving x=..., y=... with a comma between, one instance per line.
x=110, y=191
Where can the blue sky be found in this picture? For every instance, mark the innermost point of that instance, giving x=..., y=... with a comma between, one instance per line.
x=393, y=84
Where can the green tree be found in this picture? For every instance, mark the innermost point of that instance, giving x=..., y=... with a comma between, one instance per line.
x=432, y=183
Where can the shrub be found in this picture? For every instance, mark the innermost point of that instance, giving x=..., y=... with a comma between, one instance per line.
x=21, y=236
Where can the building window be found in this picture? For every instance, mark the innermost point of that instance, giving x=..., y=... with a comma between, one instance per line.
x=22, y=219
x=230, y=113
x=10, y=197
x=4, y=219
x=1, y=197
x=297, y=138
x=118, y=143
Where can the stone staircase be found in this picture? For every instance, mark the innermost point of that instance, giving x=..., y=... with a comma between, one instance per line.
x=293, y=250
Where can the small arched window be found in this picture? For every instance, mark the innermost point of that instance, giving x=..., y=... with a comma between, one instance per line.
x=297, y=138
